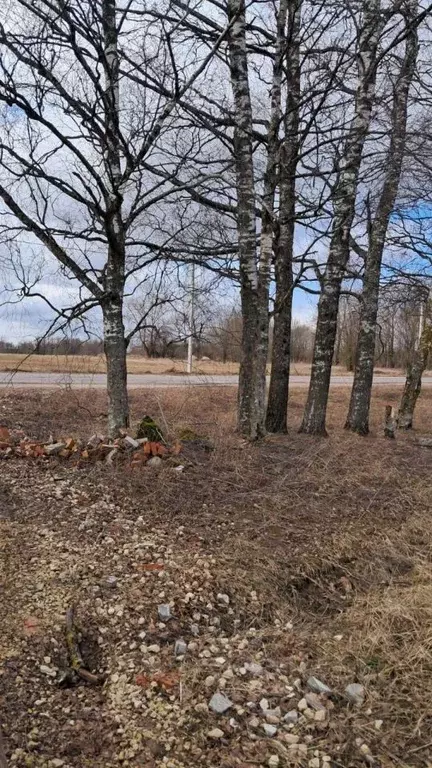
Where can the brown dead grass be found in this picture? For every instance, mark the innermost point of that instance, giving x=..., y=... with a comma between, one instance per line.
x=336, y=533
x=140, y=365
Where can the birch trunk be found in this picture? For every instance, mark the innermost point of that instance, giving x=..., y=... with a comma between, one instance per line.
x=276, y=420
x=358, y=413
x=415, y=372
x=344, y=197
x=115, y=346
x=253, y=276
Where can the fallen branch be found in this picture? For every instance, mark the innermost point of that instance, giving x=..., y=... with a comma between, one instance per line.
x=76, y=660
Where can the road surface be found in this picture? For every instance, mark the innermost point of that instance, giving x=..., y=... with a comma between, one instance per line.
x=98, y=380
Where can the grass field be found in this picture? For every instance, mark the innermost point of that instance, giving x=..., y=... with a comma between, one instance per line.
x=136, y=364
x=323, y=546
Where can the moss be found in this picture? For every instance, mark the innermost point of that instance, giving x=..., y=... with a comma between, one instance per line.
x=148, y=428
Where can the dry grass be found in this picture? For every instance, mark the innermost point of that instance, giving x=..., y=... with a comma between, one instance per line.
x=335, y=533
x=96, y=364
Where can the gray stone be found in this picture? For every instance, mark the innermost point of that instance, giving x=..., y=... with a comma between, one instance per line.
x=219, y=703
x=180, y=647
x=255, y=669
x=49, y=671
x=164, y=612
x=195, y=630
x=269, y=730
x=111, y=582
x=154, y=462
x=355, y=693
x=54, y=448
x=291, y=716
x=317, y=686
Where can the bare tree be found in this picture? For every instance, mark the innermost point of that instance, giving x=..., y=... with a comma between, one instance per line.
x=343, y=199
x=276, y=420
x=82, y=137
x=358, y=414
x=417, y=366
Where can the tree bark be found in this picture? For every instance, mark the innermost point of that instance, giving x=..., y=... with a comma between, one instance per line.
x=358, y=413
x=415, y=372
x=276, y=420
x=344, y=196
x=115, y=345
x=253, y=276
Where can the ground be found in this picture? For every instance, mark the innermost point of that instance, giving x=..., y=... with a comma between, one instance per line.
x=280, y=561
x=137, y=364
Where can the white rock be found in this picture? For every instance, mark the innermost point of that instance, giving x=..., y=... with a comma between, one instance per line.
x=355, y=693
x=269, y=730
x=264, y=705
x=219, y=703
x=49, y=671
x=155, y=648
x=255, y=669
x=291, y=738
x=314, y=762
x=54, y=448
x=302, y=705
x=320, y=716
x=273, y=761
x=378, y=724
x=216, y=733
x=209, y=681
x=291, y=716
x=154, y=462
x=254, y=722
x=220, y=661
x=223, y=598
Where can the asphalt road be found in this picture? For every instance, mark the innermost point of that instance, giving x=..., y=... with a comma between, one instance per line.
x=98, y=380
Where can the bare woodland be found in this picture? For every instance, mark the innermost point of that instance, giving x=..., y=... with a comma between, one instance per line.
x=277, y=146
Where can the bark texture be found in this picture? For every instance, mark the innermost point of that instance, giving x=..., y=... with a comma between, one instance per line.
x=415, y=372
x=114, y=278
x=253, y=274
x=276, y=420
x=358, y=413
x=344, y=196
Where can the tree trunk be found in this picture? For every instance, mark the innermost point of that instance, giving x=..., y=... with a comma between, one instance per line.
x=344, y=196
x=253, y=279
x=277, y=407
x=415, y=372
x=115, y=345
x=358, y=413
x=115, y=353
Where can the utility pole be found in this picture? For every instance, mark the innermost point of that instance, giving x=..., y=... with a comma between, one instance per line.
x=191, y=317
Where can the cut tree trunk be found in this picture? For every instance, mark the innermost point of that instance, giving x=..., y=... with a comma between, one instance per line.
x=344, y=196
x=358, y=413
x=276, y=419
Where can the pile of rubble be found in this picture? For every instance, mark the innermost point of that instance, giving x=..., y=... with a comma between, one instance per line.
x=149, y=447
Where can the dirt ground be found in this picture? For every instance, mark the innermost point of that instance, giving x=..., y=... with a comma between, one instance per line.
x=291, y=559
x=136, y=364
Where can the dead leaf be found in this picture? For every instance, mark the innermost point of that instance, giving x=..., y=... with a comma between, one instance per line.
x=151, y=566
x=5, y=435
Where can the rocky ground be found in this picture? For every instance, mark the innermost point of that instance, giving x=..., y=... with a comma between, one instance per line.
x=197, y=660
